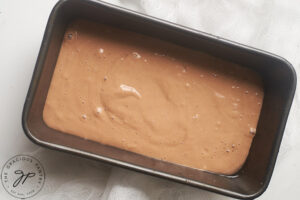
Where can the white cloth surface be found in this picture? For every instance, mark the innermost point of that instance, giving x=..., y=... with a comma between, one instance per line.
x=271, y=25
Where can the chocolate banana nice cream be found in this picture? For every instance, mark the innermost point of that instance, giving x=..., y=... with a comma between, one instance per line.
x=153, y=98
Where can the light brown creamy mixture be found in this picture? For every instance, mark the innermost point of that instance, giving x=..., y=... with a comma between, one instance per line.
x=154, y=98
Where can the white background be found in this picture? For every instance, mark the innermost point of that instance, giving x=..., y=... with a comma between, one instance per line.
x=272, y=25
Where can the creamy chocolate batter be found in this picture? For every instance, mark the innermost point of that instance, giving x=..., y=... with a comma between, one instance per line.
x=153, y=98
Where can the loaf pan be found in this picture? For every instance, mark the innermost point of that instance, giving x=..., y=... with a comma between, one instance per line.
x=279, y=80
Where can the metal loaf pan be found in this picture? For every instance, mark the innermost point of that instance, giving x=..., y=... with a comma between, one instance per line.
x=279, y=81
